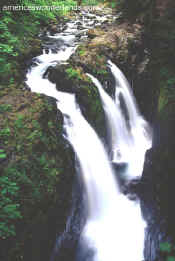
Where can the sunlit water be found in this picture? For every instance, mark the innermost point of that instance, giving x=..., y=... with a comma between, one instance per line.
x=115, y=227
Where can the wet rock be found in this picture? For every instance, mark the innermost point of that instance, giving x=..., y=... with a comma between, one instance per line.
x=80, y=27
x=158, y=181
x=52, y=43
x=54, y=29
x=79, y=23
x=34, y=49
x=59, y=76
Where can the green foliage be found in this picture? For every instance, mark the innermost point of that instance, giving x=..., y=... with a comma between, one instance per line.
x=170, y=258
x=167, y=81
x=103, y=72
x=29, y=179
x=18, y=27
x=112, y=4
x=81, y=52
x=5, y=107
x=166, y=247
x=168, y=250
x=9, y=209
x=8, y=42
x=72, y=73
x=2, y=154
x=19, y=123
x=163, y=99
x=5, y=132
x=91, y=2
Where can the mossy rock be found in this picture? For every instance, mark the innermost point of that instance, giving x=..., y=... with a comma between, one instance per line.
x=41, y=165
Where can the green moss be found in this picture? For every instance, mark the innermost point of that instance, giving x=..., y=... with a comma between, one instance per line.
x=103, y=72
x=32, y=152
x=3, y=155
x=163, y=100
x=5, y=107
x=167, y=86
x=82, y=52
x=73, y=73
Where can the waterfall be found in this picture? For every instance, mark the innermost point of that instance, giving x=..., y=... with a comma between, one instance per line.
x=139, y=130
x=114, y=227
x=119, y=138
x=114, y=223
x=130, y=135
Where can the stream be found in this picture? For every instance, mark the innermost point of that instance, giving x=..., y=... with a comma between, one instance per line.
x=113, y=227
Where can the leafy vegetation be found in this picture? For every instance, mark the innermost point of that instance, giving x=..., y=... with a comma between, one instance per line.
x=2, y=154
x=73, y=73
x=18, y=27
x=5, y=107
x=81, y=52
x=168, y=251
x=32, y=157
x=167, y=86
x=9, y=208
x=30, y=166
x=4, y=133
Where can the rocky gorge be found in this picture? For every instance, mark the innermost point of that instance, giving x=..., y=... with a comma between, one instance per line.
x=31, y=131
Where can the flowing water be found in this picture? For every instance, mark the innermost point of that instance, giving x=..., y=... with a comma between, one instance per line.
x=114, y=227
x=130, y=135
x=114, y=223
x=140, y=134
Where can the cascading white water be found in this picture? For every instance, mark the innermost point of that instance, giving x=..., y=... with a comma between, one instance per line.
x=114, y=228
x=120, y=140
x=131, y=139
x=139, y=129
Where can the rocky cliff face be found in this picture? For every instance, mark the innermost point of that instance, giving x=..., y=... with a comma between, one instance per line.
x=157, y=187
